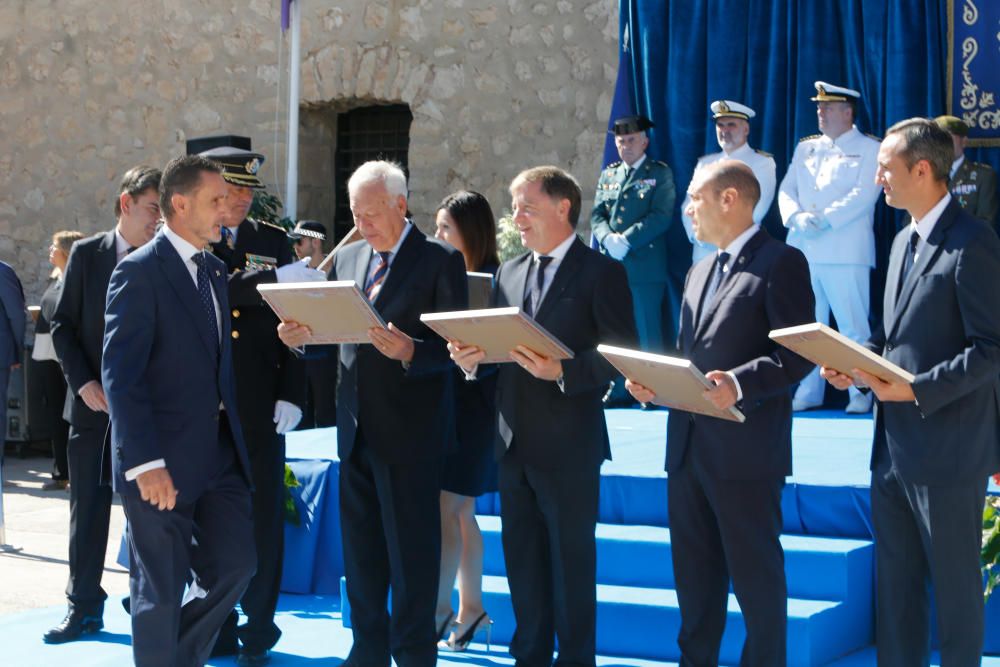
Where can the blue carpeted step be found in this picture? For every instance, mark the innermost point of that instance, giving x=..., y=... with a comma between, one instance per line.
x=817, y=568
x=643, y=623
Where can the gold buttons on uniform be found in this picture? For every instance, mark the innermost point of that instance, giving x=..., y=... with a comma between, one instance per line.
x=236, y=334
x=236, y=313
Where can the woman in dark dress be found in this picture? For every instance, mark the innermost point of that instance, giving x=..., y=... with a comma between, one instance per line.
x=465, y=221
x=50, y=374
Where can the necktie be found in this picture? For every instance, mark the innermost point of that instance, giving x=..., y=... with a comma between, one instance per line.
x=227, y=236
x=205, y=292
x=534, y=296
x=714, y=281
x=377, y=277
x=908, y=257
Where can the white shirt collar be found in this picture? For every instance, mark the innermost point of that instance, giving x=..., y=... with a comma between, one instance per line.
x=736, y=245
x=121, y=245
x=742, y=150
x=399, y=242
x=560, y=250
x=183, y=247
x=234, y=231
x=637, y=163
x=956, y=164
x=845, y=137
x=925, y=227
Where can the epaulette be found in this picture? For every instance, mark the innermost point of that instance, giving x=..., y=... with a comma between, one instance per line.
x=270, y=224
x=614, y=164
x=660, y=163
x=811, y=136
x=760, y=152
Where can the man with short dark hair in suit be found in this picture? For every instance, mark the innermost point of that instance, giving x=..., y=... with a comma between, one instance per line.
x=177, y=453
x=11, y=335
x=935, y=439
x=77, y=334
x=394, y=421
x=552, y=437
x=725, y=478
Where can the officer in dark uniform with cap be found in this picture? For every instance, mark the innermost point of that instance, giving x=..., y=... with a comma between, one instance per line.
x=270, y=381
x=633, y=208
x=973, y=184
x=321, y=360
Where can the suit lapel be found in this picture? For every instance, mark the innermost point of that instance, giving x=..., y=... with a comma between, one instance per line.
x=180, y=280
x=928, y=255
x=399, y=267
x=564, y=275
x=518, y=279
x=696, y=284
x=892, y=281
x=736, y=266
x=107, y=257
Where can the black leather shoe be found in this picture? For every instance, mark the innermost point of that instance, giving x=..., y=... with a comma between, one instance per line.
x=75, y=625
x=127, y=605
x=253, y=658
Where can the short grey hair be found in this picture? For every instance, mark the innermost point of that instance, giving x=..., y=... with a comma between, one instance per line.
x=389, y=174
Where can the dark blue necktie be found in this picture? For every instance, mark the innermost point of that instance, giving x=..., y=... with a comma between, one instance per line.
x=205, y=292
x=717, y=274
x=534, y=296
x=908, y=257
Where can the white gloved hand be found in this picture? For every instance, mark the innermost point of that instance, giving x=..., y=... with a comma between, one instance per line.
x=286, y=416
x=808, y=224
x=298, y=272
x=616, y=245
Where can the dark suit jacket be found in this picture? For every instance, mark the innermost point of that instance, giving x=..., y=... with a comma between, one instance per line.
x=406, y=415
x=162, y=377
x=587, y=303
x=78, y=323
x=944, y=327
x=11, y=317
x=47, y=307
x=266, y=370
x=766, y=288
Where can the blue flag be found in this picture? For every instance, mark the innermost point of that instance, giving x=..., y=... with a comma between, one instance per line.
x=286, y=12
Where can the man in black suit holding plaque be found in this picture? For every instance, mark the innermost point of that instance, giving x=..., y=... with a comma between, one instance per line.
x=725, y=477
x=552, y=437
x=935, y=439
x=395, y=418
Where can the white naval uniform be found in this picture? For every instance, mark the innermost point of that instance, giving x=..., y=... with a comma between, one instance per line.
x=834, y=180
x=762, y=165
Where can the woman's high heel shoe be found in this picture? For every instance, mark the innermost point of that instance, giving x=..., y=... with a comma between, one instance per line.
x=462, y=641
x=445, y=626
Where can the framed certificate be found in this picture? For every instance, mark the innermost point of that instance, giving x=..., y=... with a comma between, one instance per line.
x=335, y=312
x=826, y=347
x=496, y=331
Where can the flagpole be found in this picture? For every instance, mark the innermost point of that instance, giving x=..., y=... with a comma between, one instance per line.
x=294, y=84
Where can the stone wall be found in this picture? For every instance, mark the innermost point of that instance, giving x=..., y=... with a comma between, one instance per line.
x=88, y=89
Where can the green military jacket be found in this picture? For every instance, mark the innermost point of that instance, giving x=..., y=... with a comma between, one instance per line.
x=974, y=185
x=640, y=206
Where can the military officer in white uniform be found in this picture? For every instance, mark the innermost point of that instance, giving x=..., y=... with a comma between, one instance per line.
x=827, y=202
x=732, y=128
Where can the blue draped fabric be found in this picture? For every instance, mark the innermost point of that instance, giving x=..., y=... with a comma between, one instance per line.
x=767, y=54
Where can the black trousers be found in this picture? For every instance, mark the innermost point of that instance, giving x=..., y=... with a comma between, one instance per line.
x=260, y=601
x=165, y=634
x=89, y=515
x=549, y=518
x=391, y=529
x=927, y=535
x=722, y=531
x=53, y=385
x=321, y=391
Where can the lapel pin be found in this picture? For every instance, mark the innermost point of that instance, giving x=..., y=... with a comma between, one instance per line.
x=218, y=273
x=742, y=260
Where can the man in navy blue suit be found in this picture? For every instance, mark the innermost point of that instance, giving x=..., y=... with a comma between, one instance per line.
x=177, y=452
x=11, y=332
x=724, y=490
x=936, y=440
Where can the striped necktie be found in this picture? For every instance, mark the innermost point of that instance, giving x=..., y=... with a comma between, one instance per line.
x=377, y=277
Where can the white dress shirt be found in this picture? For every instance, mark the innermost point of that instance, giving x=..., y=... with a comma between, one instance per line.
x=374, y=260
x=734, y=248
x=925, y=226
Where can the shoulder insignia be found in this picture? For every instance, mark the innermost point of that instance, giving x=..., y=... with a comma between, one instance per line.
x=660, y=163
x=272, y=225
x=614, y=165
x=811, y=136
x=760, y=152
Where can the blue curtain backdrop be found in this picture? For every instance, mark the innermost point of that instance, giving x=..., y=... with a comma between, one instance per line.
x=679, y=56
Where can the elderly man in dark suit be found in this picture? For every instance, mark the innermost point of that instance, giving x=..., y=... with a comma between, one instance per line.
x=177, y=452
x=394, y=420
x=724, y=489
x=77, y=333
x=935, y=439
x=552, y=437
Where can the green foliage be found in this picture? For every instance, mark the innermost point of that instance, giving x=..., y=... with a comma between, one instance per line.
x=267, y=207
x=291, y=508
x=990, y=553
x=508, y=238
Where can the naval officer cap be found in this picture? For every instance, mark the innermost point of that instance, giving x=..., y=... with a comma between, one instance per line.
x=312, y=229
x=827, y=92
x=631, y=125
x=730, y=109
x=240, y=165
x=953, y=124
